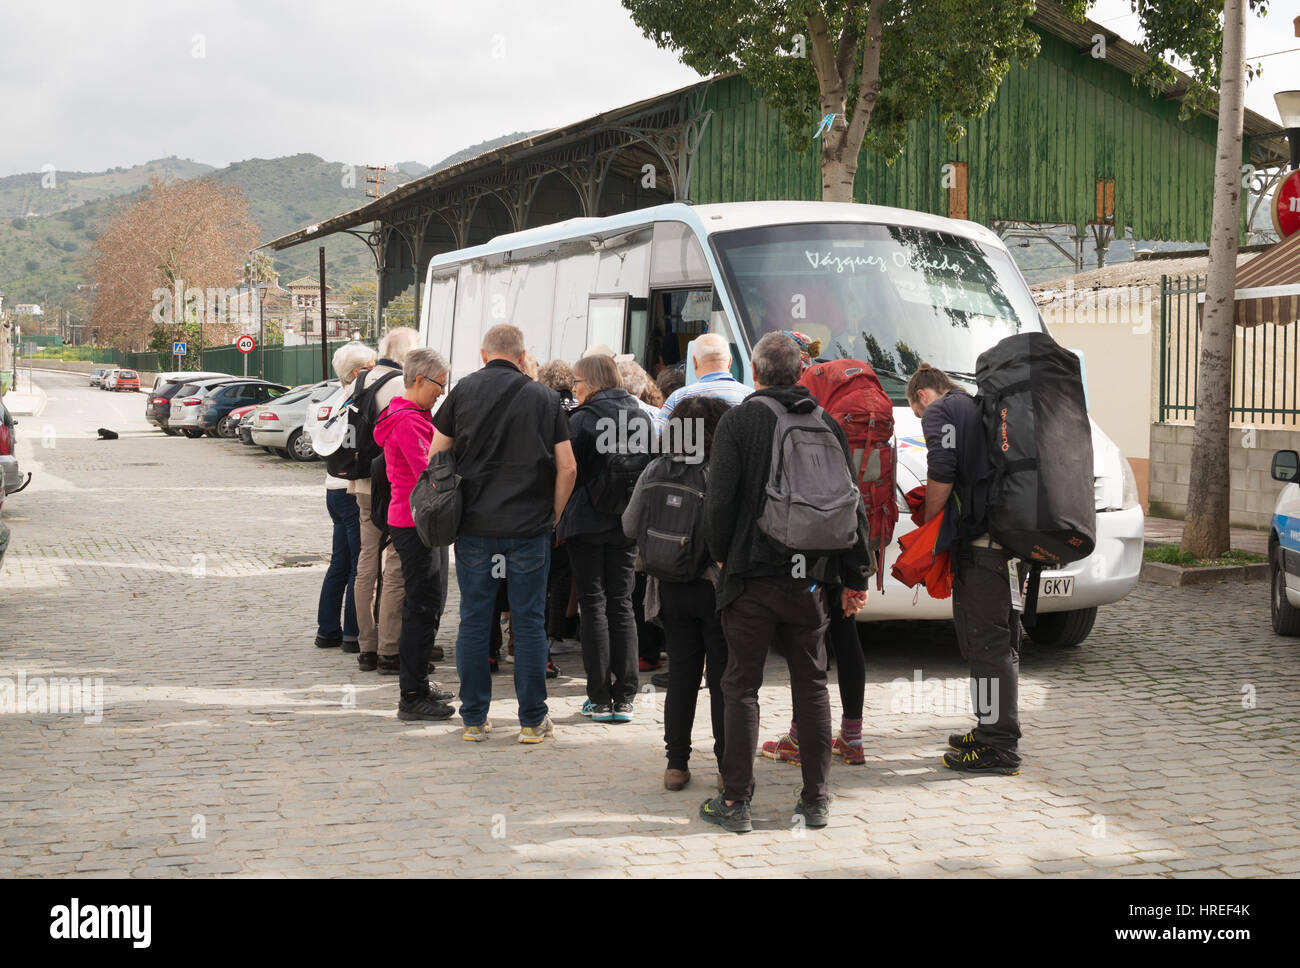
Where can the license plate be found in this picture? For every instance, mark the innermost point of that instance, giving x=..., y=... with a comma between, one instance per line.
x=1056, y=587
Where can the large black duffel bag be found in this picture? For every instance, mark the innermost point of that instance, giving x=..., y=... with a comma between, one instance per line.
x=1040, y=504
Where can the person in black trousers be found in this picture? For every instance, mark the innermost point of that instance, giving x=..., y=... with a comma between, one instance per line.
x=988, y=628
x=602, y=558
x=692, y=626
x=766, y=602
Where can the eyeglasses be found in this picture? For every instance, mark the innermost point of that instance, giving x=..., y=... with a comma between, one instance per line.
x=440, y=386
x=577, y=380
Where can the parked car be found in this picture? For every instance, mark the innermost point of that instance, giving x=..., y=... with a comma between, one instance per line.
x=279, y=425
x=158, y=405
x=97, y=374
x=109, y=379
x=182, y=417
x=11, y=478
x=229, y=426
x=1284, y=546
x=217, y=403
x=127, y=380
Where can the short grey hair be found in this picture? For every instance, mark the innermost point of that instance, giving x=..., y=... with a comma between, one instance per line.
x=397, y=343
x=423, y=362
x=351, y=357
x=712, y=348
x=504, y=340
x=777, y=361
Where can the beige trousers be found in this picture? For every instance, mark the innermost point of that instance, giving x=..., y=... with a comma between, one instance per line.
x=384, y=637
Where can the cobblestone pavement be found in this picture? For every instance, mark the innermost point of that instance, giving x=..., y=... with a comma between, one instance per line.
x=1165, y=745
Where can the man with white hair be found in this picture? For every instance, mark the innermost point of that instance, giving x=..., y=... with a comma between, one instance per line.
x=378, y=641
x=711, y=357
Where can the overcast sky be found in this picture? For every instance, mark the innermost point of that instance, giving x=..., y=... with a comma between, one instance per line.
x=87, y=86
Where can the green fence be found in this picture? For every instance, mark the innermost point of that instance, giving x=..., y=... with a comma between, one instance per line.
x=1265, y=362
x=290, y=365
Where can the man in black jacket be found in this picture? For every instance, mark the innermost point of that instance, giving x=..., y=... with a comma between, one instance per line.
x=988, y=629
x=769, y=596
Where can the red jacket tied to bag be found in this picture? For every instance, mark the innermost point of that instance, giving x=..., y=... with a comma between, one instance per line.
x=919, y=563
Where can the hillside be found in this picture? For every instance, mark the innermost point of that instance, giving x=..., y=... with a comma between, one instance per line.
x=27, y=194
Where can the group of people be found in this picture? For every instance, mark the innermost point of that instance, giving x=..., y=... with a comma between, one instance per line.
x=553, y=508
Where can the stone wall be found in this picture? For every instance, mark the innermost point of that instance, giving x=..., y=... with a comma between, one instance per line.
x=1250, y=457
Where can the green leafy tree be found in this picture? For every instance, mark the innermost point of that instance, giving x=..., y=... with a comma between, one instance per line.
x=874, y=66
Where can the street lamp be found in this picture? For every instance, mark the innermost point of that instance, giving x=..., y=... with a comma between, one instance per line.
x=1288, y=106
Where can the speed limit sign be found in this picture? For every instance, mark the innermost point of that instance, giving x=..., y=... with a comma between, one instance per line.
x=245, y=344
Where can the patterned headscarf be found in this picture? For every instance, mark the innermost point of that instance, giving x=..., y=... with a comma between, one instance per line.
x=809, y=348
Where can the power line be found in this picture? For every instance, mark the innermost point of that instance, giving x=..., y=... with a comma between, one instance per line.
x=1274, y=54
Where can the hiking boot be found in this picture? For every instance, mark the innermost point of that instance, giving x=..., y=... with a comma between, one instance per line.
x=324, y=643
x=535, y=734
x=815, y=814
x=734, y=818
x=675, y=780
x=477, y=734
x=644, y=666
x=852, y=753
x=784, y=749
x=552, y=670
x=439, y=693
x=963, y=741
x=623, y=712
x=368, y=661
x=981, y=759
x=436, y=654
x=424, y=707
x=351, y=647
x=660, y=680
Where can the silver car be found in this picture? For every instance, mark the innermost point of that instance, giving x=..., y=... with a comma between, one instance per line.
x=279, y=425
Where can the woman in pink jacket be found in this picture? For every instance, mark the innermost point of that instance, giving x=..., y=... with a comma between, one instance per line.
x=404, y=430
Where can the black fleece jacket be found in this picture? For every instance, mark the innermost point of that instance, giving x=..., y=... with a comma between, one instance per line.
x=739, y=465
x=586, y=427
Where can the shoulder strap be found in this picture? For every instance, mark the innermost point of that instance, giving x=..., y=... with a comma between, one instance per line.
x=374, y=388
x=507, y=401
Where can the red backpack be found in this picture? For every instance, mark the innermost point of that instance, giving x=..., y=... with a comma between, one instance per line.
x=850, y=391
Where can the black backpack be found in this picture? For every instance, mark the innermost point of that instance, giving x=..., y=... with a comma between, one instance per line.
x=358, y=451
x=381, y=493
x=1041, y=504
x=611, y=489
x=670, y=526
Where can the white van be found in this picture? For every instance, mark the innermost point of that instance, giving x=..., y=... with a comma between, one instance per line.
x=886, y=285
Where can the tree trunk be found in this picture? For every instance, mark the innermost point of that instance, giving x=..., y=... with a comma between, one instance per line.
x=1205, y=532
x=839, y=164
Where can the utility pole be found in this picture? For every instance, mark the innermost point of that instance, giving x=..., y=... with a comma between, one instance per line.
x=324, y=349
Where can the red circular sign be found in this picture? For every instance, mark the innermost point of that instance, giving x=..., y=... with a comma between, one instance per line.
x=1286, y=206
x=245, y=344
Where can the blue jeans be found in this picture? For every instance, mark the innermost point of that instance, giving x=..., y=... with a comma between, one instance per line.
x=481, y=563
x=336, y=589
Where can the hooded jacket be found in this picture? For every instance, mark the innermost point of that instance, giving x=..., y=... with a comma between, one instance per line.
x=586, y=426
x=739, y=466
x=383, y=397
x=405, y=432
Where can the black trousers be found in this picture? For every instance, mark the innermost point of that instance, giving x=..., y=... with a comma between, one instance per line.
x=649, y=637
x=988, y=633
x=693, y=632
x=775, y=613
x=559, y=582
x=604, y=574
x=421, y=608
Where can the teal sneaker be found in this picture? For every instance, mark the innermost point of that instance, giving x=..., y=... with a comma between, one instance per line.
x=588, y=707
x=602, y=714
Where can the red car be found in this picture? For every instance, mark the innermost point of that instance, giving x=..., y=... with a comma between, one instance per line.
x=127, y=380
x=229, y=425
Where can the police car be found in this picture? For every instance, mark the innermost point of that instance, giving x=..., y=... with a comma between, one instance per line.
x=1284, y=546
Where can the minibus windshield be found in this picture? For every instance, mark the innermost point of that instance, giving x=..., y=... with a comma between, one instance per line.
x=894, y=296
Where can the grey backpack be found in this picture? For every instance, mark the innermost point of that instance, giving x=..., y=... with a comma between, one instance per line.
x=812, y=499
